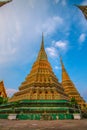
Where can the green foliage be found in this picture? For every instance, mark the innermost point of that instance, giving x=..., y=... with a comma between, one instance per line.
x=73, y=100
x=84, y=115
x=5, y=100
x=3, y=116
x=1, y=100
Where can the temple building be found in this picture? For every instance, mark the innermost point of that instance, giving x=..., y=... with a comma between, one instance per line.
x=70, y=89
x=2, y=90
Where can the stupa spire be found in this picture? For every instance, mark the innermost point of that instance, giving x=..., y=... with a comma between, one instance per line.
x=42, y=43
x=65, y=75
x=42, y=54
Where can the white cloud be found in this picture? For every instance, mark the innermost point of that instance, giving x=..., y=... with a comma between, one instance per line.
x=52, y=52
x=17, y=29
x=57, y=67
x=63, y=2
x=63, y=45
x=82, y=37
x=10, y=91
x=56, y=1
x=57, y=47
x=84, y=2
x=52, y=24
x=10, y=30
x=20, y=25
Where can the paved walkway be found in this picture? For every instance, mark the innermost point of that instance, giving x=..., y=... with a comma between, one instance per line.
x=43, y=125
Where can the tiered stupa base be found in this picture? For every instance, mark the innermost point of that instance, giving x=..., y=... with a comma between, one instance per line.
x=39, y=109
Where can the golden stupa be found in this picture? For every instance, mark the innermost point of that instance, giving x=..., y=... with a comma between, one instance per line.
x=70, y=88
x=41, y=83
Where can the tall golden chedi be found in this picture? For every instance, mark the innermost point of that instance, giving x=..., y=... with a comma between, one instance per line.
x=41, y=83
x=2, y=90
x=70, y=88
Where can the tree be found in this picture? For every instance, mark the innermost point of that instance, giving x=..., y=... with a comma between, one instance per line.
x=75, y=105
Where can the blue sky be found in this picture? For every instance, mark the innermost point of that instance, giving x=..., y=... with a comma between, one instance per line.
x=65, y=30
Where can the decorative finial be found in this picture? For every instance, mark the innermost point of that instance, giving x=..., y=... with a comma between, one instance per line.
x=42, y=44
x=42, y=54
x=42, y=36
x=60, y=57
x=61, y=61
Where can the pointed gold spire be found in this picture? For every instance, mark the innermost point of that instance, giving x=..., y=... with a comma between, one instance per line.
x=63, y=68
x=42, y=43
x=42, y=54
x=65, y=75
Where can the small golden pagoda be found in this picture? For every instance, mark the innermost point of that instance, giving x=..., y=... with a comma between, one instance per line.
x=70, y=88
x=2, y=90
x=41, y=83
